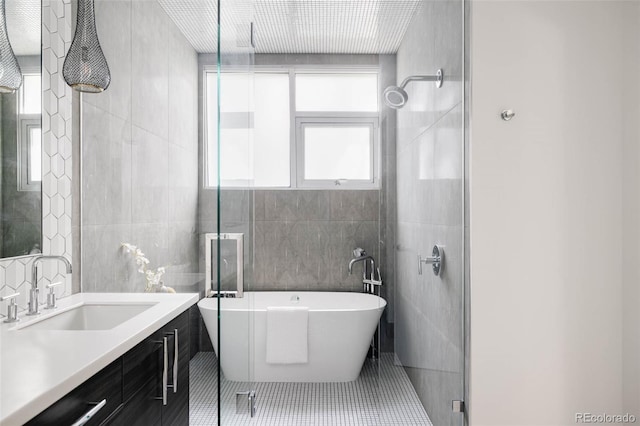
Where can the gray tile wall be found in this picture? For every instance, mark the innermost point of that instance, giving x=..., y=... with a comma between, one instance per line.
x=304, y=239
x=139, y=151
x=297, y=239
x=388, y=193
x=430, y=161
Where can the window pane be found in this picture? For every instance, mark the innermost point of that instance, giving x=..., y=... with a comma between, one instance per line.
x=236, y=155
x=332, y=153
x=272, y=130
x=211, y=119
x=30, y=91
x=337, y=92
x=35, y=154
x=261, y=132
x=235, y=93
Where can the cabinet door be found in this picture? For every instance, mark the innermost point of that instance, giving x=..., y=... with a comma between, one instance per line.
x=176, y=412
x=142, y=370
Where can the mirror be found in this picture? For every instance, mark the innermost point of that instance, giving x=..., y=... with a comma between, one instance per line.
x=21, y=136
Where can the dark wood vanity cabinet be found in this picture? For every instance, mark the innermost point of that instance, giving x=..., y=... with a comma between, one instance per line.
x=133, y=385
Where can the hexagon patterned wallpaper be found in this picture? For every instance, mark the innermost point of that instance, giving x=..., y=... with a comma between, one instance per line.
x=15, y=273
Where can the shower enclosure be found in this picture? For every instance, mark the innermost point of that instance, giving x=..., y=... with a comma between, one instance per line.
x=305, y=157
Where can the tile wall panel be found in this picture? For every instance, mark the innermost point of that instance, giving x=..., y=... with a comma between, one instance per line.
x=140, y=152
x=429, y=333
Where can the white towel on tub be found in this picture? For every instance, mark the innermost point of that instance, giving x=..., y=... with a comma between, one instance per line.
x=287, y=340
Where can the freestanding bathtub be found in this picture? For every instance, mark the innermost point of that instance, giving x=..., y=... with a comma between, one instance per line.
x=340, y=329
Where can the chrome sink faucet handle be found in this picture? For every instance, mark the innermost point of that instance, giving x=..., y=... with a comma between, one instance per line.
x=51, y=296
x=12, y=308
x=34, y=308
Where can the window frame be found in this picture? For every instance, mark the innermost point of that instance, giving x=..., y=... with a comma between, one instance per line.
x=25, y=122
x=345, y=120
x=296, y=161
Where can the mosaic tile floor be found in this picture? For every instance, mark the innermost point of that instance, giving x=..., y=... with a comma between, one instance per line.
x=382, y=396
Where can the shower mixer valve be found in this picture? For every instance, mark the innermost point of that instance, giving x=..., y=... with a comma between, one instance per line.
x=436, y=260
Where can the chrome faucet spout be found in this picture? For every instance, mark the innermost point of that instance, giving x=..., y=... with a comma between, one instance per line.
x=33, y=293
x=358, y=259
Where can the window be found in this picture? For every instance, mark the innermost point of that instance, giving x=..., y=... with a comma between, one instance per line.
x=335, y=153
x=321, y=134
x=353, y=92
x=30, y=133
x=29, y=94
x=253, y=124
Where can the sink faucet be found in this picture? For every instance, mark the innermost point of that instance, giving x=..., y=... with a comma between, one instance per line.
x=33, y=293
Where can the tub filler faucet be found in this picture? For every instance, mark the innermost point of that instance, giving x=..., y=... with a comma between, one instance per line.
x=34, y=308
x=370, y=285
x=370, y=282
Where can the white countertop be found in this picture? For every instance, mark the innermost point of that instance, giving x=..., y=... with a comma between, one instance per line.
x=38, y=367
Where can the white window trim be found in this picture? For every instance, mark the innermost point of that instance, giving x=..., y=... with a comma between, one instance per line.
x=25, y=123
x=360, y=120
x=297, y=180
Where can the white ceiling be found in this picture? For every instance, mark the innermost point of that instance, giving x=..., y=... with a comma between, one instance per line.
x=23, y=26
x=295, y=26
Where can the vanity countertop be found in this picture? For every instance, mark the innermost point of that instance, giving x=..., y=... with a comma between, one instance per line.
x=38, y=367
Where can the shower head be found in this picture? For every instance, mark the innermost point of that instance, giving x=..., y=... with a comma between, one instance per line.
x=396, y=97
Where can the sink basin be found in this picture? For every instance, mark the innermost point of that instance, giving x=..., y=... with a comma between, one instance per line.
x=90, y=317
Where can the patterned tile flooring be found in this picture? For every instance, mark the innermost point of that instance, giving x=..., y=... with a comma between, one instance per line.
x=381, y=396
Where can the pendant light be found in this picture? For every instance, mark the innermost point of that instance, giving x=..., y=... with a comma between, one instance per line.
x=85, y=67
x=10, y=73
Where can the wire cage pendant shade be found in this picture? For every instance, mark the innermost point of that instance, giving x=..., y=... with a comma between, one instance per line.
x=10, y=73
x=85, y=67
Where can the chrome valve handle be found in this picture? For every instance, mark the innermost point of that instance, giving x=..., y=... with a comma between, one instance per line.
x=436, y=260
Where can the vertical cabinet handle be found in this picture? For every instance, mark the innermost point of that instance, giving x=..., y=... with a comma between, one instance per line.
x=165, y=369
x=165, y=364
x=176, y=352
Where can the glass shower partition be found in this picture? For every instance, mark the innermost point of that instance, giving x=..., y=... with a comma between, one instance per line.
x=429, y=308
x=230, y=168
x=416, y=204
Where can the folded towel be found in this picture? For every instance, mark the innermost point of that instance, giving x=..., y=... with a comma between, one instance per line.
x=287, y=335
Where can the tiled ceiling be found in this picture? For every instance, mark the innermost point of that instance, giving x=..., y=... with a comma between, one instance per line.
x=23, y=26
x=295, y=26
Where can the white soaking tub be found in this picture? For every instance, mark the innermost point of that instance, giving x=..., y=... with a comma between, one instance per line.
x=340, y=329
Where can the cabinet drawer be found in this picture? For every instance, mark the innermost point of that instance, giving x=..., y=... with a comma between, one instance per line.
x=106, y=384
x=143, y=409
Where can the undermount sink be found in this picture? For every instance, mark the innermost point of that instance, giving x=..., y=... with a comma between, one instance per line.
x=90, y=317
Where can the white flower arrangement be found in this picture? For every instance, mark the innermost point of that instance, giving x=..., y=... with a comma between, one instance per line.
x=153, y=276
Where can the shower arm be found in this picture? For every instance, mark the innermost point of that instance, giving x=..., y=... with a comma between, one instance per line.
x=419, y=78
x=437, y=78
